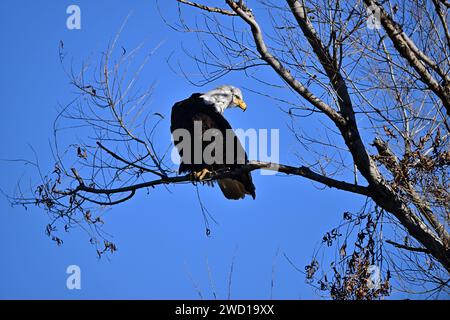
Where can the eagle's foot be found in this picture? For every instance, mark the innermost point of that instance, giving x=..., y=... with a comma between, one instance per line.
x=200, y=175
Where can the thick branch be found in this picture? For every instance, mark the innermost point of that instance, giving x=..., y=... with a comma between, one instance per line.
x=348, y=127
x=328, y=63
x=382, y=193
x=251, y=166
x=408, y=50
x=278, y=67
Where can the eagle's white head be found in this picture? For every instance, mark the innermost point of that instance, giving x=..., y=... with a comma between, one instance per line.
x=224, y=97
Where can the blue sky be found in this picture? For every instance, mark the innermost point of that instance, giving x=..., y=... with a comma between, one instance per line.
x=163, y=252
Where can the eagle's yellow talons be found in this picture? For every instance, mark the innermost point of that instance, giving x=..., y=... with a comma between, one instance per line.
x=200, y=175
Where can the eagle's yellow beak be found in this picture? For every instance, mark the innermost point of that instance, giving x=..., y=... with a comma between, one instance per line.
x=240, y=103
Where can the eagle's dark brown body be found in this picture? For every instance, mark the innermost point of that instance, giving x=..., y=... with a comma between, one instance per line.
x=184, y=114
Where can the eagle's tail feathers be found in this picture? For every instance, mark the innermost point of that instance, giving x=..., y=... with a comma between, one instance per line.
x=232, y=189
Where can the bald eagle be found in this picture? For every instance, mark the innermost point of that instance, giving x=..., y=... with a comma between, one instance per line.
x=209, y=143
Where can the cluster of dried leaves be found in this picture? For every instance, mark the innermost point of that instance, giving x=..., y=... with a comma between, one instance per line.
x=359, y=274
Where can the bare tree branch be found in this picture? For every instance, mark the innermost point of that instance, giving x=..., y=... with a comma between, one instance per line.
x=251, y=166
x=413, y=55
x=248, y=17
x=208, y=8
x=402, y=246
